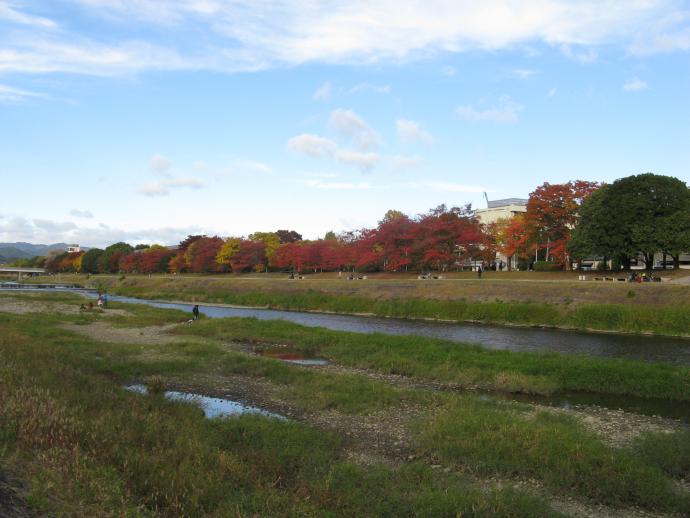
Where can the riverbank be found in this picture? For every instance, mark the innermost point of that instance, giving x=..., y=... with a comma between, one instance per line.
x=613, y=307
x=357, y=442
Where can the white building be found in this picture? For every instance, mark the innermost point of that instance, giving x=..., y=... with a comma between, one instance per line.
x=73, y=249
x=502, y=209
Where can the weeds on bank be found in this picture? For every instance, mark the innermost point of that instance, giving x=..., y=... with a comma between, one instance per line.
x=662, y=319
x=87, y=447
x=459, y=364
x=670, y=452
x=485, y=438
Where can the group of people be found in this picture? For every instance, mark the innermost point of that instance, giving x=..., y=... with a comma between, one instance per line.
x=101, y=302
x=635, y=277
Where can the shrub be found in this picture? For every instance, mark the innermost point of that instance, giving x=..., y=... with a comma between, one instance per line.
x=547, y=266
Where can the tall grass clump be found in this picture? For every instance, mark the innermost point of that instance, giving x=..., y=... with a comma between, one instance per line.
x=670, y=452
x=552, y=448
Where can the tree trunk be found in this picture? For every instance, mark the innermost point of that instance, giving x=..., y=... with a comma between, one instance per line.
x=676, y=261
x=648, y=261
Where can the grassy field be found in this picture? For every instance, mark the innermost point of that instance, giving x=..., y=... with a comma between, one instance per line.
x=73, y=442
x=500, y=299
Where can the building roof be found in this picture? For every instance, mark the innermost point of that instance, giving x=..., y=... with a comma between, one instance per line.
x=505, y=202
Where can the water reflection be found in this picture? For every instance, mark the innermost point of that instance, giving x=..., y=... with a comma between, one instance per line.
x=213, y=407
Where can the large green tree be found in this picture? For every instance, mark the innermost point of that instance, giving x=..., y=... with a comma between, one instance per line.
x=109, y=261
x=642, y=214
x=89, y=263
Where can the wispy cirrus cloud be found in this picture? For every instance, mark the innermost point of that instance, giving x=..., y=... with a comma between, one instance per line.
x=368, y=87
x=340, y=186
x=10, y=13
x=157, y=35
x=253, y=166
x=412, y=131
x=311, y=145
x=401, y=162
x=506, y=112
x=364, y=160
x=635, y=85
x=164, y=187
x=323, y=92
x=9, y=94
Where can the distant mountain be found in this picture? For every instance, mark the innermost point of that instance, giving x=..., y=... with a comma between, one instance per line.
x=13, y=251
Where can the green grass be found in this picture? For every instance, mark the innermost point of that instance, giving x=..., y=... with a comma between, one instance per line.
x=460, y=364
x=670, y=319
x=670, y=452
x=487, y=439
x=83, y=446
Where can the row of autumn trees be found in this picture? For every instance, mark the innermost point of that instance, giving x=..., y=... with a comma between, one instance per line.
x=563, y=223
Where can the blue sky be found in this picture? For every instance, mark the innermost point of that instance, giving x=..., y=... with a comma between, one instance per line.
x=146, y=120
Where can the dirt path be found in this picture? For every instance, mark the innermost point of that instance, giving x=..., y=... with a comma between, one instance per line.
x=26, y=304
x=104, y=332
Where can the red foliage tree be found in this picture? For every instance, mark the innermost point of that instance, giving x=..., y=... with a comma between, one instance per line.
x=201, y=255
x=552, y=213
x=250, y=256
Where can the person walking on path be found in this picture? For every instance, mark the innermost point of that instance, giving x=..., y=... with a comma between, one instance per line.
x=195, y=311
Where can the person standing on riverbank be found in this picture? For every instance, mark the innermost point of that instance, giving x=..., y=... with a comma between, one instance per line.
x=195, y=311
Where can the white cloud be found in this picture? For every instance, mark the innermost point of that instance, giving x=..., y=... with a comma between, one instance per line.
x=524, y=73
x=8, y=13
x=311, y=145
x=405, y=162
x=584, y=56
x=411, y=131
x=253, y=166
x=365, y=161
x=9, y=94
x=505, y=113
x=160, y=164
x=348, y=125
x=323, y=92
x=368, y=87
x=163, y=187
x=320, y=175
x=81, y=213
x=318, y=184
x=47, y=232
x=245, y=36
x=635, y=85
x=53, y=226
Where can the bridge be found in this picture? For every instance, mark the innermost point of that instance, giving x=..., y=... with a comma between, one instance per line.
x=22, y=271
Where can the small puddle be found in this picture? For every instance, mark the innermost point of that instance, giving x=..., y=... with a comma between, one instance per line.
x=292, y=357
x=213, y=407
x=676, y=410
